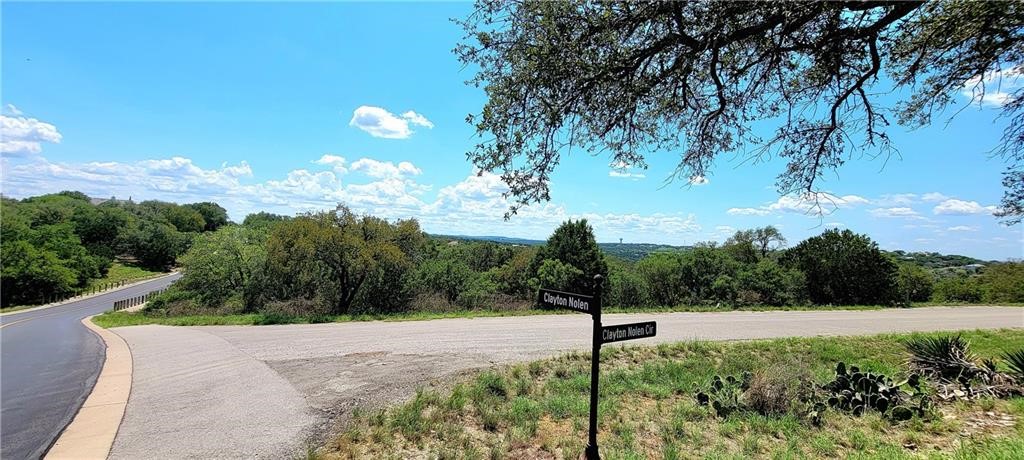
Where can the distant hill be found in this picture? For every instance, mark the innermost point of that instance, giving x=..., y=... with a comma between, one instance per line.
x=495, y=239
x=627, y=251
x=934, y=260
x=636, y=251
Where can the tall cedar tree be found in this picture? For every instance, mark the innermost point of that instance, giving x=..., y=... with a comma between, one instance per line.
x=573, y=244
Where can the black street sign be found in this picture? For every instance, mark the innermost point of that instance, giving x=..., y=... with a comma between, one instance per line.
x=620, y=332
x=567, y=300
x=591, y=304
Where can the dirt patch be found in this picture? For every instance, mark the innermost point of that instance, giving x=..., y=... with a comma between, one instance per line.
x=336, y=386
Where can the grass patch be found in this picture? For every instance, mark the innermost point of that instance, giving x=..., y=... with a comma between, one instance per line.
x=648, y=410
x=121, y=319
x=120, y=272
x=117, y=319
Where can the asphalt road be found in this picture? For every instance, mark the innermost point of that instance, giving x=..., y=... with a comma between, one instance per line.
x=271, y=391
x=49, y=362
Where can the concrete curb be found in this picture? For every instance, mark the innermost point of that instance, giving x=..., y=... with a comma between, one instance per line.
x=88, y=296
x=91, y=433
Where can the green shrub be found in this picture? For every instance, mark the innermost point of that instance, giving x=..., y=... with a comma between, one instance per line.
x=553, y=274
x=958, y=289
x=1003, y=282
x=915, y=284
x=768, y=283
x=173, y=300
x=478, y=293
x=661, y=273
x=294, y=308
x=724, y=289
x=573, y=246
x=626, y=288
x=844, y=268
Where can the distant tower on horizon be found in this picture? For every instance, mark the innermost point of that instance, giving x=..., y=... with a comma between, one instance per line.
x=620, y=240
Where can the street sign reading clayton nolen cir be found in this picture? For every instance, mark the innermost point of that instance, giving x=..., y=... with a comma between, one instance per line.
x=620, y=332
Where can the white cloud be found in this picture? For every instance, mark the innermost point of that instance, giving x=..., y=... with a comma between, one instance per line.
x=996, y=88
x=174, y=175
x=954, y=207
x=747, y=212
x=12, y=109
x=336, y=163
x=814, y=203
x=834, y=225
x=808, y=203
x=962, y=228
x=895, y=212
x=385, y=169
x=699, y=180
x=417, y=119
x=623, y=170
x=22, y=135
x=934, y=197
x=381, y=123
x=623, y=174
x=896, y=199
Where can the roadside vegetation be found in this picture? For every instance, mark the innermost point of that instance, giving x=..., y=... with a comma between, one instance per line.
x=779, y=398
x=60, y=245
x=120, y=272
x=339, y=266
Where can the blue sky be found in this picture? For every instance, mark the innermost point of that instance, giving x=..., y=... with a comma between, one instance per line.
x=294, y=107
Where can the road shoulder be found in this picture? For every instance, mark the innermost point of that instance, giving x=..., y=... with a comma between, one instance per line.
x=91, y=433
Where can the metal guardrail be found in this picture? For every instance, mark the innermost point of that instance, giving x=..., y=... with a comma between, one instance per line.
x=136, y=301
x=60, y=297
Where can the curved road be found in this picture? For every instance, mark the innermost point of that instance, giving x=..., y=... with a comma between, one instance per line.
x=49, y=362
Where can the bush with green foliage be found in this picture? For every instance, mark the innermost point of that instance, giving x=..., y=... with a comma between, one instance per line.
x=914, y=284
x=553, y=274
x=225, y=263
x=1003, y=282
x=263, y=219
x=626, y=288
x=662, y=272
x=329, y=256
x=768, y=283
x=966, y=288
x=513, y=277
x=447, y=275
x=573, y=246
x=844, y=268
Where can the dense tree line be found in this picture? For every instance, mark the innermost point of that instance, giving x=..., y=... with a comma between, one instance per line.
x=53, y=245
x=336, y=262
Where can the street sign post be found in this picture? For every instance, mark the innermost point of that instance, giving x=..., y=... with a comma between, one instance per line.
x=591, y=304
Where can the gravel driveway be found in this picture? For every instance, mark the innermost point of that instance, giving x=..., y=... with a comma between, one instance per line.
x=272, y=391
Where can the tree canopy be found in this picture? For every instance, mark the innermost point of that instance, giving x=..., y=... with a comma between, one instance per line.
x=844, y=268
x=579, y=257
x=629, y=78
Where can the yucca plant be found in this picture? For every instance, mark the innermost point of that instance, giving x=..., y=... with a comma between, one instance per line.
x=1015, y=361
x=946, y=357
